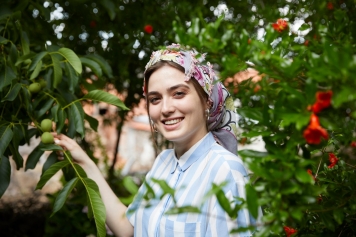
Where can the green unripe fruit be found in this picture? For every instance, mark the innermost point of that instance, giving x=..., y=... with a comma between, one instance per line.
x=47, y=138
x=43, y=83
x=34, y=87
x=46, y=125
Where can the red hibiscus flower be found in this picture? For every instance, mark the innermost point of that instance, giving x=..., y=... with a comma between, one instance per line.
x=289, y=231
x=333, y=160
x=280, y=25
x=314, y=131
x=353, y=144
x=148, y=29
x=323, y=100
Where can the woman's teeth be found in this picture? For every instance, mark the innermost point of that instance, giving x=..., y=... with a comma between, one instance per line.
x=174, y=121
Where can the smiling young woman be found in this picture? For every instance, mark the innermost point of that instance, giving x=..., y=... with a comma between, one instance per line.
x=189, y=106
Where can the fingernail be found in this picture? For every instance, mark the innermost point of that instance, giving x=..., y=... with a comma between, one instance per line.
x=56, y=141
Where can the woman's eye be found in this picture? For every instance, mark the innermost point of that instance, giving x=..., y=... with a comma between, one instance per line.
x=153, y=100
x=179, y=93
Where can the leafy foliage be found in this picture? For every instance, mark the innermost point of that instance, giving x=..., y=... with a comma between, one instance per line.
x=315, y=53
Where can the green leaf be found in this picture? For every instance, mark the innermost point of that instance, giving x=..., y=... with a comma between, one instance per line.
x=223, y=201
x=38, y=58
x=50, y=147
x=93, y=122
x=252, y=200
x=99, y=212
x=62, y=116
x=346, y=94
x=50, y=172
x=33, y=158
x=6, y=135
x=12, y=93
x=83, y=175
x=63, y=195
x=77, y=116
x=72, y=77
x=25, y=43
x=16, y=156
x=3, y=40
x=44, y=108
x=14, y=54
x=184, y=209
x=339, y=215
x=6, y=76
x=5, y=174
x=94, y=66
x=72, y=58
x=51, y=159
x=57, y=70
x=103, y=96
x=110, y=8
x=105, y=66
x=252, y=153
x=37, y=70
x=303, y=176
x=130, y=185
x=164, y=186
x=252, y=113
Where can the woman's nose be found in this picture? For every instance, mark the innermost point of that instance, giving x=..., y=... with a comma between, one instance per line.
x=167, y=107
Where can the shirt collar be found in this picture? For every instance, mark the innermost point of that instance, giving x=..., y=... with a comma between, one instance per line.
x=194, y=153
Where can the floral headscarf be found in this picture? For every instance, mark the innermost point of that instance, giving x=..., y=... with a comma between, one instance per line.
x=222, y=120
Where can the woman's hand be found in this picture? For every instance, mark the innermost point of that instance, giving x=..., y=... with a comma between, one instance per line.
x=68, y=144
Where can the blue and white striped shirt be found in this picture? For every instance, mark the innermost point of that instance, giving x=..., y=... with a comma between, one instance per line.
x=192, y=177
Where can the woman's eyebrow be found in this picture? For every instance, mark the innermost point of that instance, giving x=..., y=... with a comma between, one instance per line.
x=172, y=88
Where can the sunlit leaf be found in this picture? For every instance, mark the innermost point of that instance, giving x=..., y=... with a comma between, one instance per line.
x=98, y=95
x=72, y=58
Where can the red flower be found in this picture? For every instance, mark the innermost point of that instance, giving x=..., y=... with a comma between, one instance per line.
x=281, y=25
x=330, y=6
x=333, y=160
x=314, y=131
x=148, y=29
x=323, y=100
x=311, y=173
x=353, y=144
x=289, y=231
x=92, y=24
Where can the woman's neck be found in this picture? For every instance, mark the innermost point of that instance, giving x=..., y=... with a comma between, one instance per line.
x=182, y=147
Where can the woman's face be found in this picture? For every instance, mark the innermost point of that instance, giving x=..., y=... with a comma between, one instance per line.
x=175, y=107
